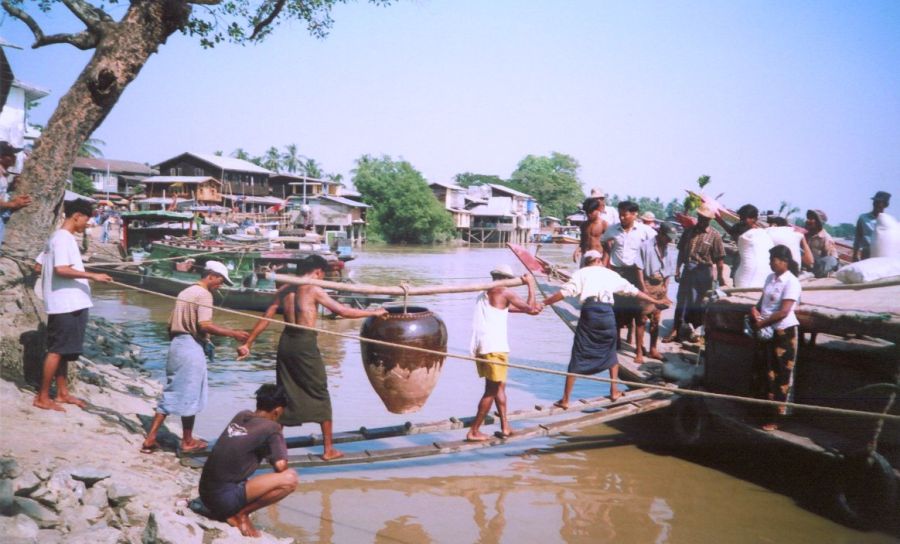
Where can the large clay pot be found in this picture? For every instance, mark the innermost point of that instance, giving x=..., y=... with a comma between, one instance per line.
x=404, y=378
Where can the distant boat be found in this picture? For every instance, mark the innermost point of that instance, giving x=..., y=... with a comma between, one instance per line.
x=567, y=235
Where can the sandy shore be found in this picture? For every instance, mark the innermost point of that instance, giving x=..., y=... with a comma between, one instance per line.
x=50, y=461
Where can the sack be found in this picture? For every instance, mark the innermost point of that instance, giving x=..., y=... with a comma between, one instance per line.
x=789, y=237
x=764, y=334
x=886, y=241
x=877, y=268
x=754, y=246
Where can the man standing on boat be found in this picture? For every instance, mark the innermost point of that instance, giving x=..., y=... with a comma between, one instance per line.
x=655, y=266
x=699, y=249
x=299, y=366
x=591, y=230
x=594, y=346
x=622, y=244
x=489, y=341
x=190, y=326
x=865, y=226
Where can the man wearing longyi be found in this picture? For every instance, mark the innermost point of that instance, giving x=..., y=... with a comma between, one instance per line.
x=299, y=366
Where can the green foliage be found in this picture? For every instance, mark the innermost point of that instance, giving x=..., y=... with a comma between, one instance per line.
x=552, y=181
x=82, y=184
x=692, y=202
x=290, y=159
x=311, y=168
x=404, y=209
x=91, y=148
x=843, y=230
x=468, y=179
x=272, y=159
x=786, y=210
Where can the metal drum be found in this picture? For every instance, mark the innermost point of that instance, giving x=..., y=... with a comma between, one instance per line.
x=404, y=378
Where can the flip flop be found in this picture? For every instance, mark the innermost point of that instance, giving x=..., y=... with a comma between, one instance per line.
x=201, y=445
x=149, y=449
x=559, y=404
x=503, y=436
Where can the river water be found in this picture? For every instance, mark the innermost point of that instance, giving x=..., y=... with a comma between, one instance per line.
x=600, y=484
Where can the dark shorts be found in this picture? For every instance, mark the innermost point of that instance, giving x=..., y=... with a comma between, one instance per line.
x=225, y=500
x=65, y=333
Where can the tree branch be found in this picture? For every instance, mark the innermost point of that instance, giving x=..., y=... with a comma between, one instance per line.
x=260, y=26
x=83, y=40
x=89, y=15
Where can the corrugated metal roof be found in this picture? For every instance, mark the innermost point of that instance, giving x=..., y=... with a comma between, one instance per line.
x=114, y=166
x=345, y=201
x=180, y=179
x=230, y=163
x=506, y=189
x=255, y=199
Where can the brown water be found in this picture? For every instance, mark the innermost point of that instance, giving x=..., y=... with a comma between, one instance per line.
x=600, y=484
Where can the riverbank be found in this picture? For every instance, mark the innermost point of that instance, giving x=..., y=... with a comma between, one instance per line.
x=78, y=476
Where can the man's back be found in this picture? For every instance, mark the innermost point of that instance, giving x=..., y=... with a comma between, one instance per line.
x=240, y=448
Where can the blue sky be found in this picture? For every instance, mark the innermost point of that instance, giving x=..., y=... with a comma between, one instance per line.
x=796, y=101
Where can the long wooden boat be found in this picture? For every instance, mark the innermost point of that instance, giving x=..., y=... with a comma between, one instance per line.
x=849, y=357
x=173, y=265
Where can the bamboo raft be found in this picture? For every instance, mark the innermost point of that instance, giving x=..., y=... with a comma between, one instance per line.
x=599, y=409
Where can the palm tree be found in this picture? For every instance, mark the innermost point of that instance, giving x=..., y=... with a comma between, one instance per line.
x=290, y=159
x=239, y=153
x=272, y=159
x=312, y=169
x=786, y=209
x=89, y=148
x=339, y=178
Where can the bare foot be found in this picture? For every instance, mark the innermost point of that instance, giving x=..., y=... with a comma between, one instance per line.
x=561, y=404
x=670, y=338
x=244, y=525
x=332, y=454
x=504, y=433
x=149, y=447
x=48, y=404
x=614, y=395
x=194, y=445
x=69, y=399
x=639, y=359
x=655, y=354
x=475, y=436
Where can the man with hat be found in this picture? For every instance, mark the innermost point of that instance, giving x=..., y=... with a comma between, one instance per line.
x=648, y=219
x=8, y=205
x=865, y=226
x=489, y=342
x=610, y=215
x=190, y=326
x=699, y=249
x=655, y=266
x=821, y=245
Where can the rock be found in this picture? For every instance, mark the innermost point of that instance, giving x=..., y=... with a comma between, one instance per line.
x=95, y=496
x=20, y=526
x=26, y=484
x=89, y=475
x=73, y=522
x=6, y=497
x=62, y=483
x=45, y=518
x=95, y=535
x=118, y=494
x=90, y=512
x=9, y=468
x=136, y=512
x=49, y=536
x=169, y=528
x=45, y=496
x=43, y=472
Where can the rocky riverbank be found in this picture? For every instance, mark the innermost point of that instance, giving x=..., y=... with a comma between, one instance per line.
x=77, y=476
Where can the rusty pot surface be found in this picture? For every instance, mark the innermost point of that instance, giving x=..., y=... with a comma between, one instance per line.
x=404, y=378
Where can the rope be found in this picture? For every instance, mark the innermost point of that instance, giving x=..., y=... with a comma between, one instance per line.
x=666, y=388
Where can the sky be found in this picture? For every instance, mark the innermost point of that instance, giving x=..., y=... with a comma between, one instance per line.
x=777, y=101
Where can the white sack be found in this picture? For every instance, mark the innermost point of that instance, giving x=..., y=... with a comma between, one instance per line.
x=886, y=242
x=754, y=246
x=787, y=236
x=876, y=268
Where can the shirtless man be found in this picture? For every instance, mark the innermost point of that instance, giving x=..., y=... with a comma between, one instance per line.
x=489, y=342
x=591, y=230
x=299, y=366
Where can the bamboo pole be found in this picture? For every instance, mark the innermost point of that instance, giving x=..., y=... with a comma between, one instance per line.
x=839, y=287
x=399, y=290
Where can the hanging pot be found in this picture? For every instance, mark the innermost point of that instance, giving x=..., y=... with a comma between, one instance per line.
x=404, y=378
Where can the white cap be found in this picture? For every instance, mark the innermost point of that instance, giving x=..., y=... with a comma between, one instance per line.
x=597, y=192
x=220, y=269
x=503, y=270
x=648, y=216
x=592, y=254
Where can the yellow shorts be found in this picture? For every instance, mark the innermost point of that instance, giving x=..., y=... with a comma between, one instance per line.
x=493, y=372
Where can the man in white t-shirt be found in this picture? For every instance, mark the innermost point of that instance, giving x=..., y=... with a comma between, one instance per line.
x=67, y=297
x=610, y=215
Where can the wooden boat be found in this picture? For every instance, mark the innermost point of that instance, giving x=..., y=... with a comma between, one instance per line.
x=567, y=235
x=174, y=264
x=141, y=229
x=849, y=357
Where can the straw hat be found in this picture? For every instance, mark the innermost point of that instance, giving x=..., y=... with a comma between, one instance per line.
x=503, y=270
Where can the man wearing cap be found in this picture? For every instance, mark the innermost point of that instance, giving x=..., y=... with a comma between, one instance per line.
x=489, y=342
x=648, y=219
x=610, y=215
x=699, y=249
x=596, y=336
x=190, y=326
x=865, y=226
x=821, y=245
x=655, y=266
x=8, y=205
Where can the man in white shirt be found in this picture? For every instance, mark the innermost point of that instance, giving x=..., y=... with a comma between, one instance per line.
x=67, y=297
x=8, y=205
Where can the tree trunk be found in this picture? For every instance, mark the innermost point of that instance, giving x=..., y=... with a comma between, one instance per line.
x=122, y=50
